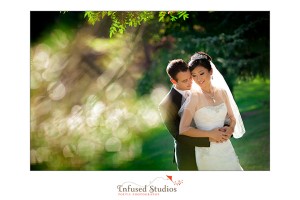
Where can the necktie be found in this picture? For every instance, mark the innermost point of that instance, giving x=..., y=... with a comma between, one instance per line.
x=185, y=96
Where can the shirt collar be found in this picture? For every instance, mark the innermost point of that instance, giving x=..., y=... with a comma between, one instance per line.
x=182, y=92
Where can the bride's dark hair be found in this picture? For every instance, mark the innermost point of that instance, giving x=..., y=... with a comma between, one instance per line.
x=200, y=59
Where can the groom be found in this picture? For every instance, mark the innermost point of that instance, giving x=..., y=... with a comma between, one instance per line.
x=184, y=148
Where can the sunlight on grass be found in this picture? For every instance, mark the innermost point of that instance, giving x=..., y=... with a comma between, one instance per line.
x=251, y=95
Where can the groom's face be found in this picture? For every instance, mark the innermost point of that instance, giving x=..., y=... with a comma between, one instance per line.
x=184, y=80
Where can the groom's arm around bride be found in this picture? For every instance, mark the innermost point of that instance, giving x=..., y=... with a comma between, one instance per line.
x=184, y=146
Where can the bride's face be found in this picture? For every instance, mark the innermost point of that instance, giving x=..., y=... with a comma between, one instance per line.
x=202, y=76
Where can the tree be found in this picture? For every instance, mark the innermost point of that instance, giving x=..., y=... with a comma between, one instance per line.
x=122, y=20
x=237, y=41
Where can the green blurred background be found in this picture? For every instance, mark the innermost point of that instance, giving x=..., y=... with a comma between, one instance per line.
x=94, y=94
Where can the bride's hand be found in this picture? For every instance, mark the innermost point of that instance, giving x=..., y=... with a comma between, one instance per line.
x=218, y=135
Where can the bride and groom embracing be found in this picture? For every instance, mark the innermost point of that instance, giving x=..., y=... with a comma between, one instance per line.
x=201, y=115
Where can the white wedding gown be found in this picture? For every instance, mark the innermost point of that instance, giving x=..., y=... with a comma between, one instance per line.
x=219, y=156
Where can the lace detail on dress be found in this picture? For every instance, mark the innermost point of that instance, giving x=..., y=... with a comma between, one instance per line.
x=210, y=117
x=216, y=108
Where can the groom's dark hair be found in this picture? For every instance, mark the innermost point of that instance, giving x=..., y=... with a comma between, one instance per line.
x=175, y=66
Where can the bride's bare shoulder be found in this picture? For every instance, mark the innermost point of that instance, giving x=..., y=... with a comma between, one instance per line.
x=196, y=93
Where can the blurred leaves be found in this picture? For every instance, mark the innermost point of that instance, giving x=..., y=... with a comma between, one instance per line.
x=85, y=114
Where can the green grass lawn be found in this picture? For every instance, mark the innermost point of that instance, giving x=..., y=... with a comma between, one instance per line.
x=253, y=149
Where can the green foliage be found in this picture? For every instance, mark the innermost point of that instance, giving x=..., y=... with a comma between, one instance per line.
x=92, y=17
x=183, y=15
x=240, y=49
x=122, y=20
x=157, y=72
x=161, y=15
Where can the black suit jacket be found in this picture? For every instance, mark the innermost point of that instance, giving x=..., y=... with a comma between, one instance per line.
x=184, y=145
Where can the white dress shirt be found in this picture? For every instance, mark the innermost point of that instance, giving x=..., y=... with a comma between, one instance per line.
x=184, y=93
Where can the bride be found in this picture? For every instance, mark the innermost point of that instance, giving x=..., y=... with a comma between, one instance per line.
x=210, y=104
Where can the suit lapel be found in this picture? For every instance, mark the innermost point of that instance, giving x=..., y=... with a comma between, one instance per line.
x=176, y=98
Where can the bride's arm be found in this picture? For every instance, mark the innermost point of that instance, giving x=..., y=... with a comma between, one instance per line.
x=186, y=129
